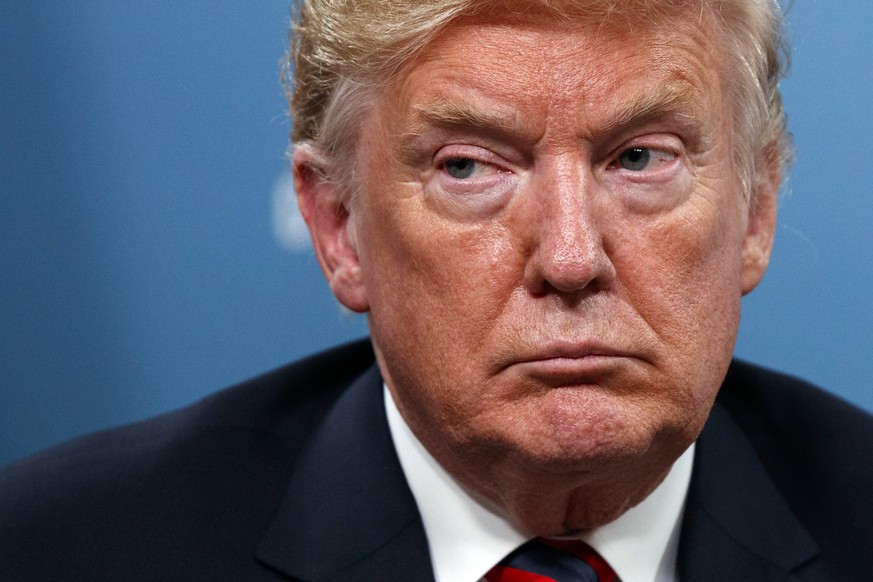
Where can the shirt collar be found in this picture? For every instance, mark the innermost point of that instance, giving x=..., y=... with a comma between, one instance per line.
x=466, y=538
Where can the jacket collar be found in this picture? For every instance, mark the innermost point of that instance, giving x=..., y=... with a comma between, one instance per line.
x=737, y=525
x=348, y=513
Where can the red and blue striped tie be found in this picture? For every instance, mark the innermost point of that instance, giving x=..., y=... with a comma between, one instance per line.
x=544, y=560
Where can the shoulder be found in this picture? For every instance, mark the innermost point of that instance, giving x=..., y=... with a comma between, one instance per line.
x=782, y=412
x=815, y=447
x=167, y=483
x=275, y=406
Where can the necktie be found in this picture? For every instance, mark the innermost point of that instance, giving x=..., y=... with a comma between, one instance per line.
x=542, y=560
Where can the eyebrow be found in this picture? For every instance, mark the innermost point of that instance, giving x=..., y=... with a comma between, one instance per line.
x=680, y=99
x=673, y=98
x=448, y=113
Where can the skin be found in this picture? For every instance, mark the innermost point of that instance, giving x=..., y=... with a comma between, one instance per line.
x=553, y=316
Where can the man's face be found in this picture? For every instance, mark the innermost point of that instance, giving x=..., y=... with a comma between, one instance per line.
x=552, y=243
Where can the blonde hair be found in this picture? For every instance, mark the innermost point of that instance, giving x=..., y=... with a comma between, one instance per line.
x=342, y=51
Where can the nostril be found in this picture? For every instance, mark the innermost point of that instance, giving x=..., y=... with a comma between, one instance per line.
x=569, y=269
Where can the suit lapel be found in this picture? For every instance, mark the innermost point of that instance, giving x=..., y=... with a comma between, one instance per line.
x=737, y=526
x=348, y=513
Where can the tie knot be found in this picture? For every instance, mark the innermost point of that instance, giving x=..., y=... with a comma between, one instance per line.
x=550, y=560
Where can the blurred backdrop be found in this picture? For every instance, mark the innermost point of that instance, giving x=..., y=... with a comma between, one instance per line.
x=150, y=249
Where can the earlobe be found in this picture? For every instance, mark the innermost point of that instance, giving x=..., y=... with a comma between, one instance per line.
x=761, y=229
x=331, y=227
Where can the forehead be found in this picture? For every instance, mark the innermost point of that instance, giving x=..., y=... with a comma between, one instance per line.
x=601, y=70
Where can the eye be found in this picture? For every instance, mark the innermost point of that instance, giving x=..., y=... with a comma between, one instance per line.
x=469, y=181
x=460, y=168
x=635, y=159
x=649, y=174
x=648, y=160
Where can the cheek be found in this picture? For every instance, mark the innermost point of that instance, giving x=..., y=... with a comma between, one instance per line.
x=435, y=288
x=422, y=263
x=437, y=293
x=689, y=288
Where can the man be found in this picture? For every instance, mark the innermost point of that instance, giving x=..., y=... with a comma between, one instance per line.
x=550, y=212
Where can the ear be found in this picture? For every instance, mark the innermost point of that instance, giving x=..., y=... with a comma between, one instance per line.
x=761, y=229
x=331, y=227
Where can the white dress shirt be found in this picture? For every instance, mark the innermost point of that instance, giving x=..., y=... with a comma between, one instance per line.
x=467, y=539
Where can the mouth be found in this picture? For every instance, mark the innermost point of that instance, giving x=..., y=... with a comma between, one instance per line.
x=566, y=364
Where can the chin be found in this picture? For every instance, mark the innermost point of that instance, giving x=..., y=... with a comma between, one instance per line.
x=588, y=434
x=564, y=513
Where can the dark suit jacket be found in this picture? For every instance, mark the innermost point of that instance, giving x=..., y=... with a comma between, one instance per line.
x=293, y=476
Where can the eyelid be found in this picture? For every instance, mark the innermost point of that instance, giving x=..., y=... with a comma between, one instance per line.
x=478, y=154
x=665, y=143
x=663, y=184
x=483, y=194
x=656, y=153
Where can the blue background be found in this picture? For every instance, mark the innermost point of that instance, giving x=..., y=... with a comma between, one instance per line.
x=142, y=171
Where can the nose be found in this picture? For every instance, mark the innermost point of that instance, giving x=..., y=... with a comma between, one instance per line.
x=568, y=252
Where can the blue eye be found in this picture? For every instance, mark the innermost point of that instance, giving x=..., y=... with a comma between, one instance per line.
x=635, y=159
x=460, y=168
